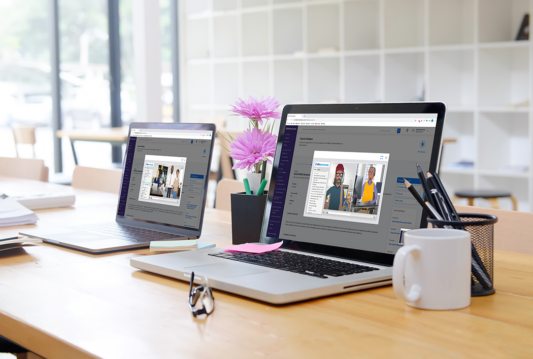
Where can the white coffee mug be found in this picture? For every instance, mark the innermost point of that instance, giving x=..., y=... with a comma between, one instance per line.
x=433, y=269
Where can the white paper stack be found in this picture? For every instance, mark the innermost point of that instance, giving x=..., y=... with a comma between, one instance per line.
x=17, y=243
x=47, y=200
x=13, y=213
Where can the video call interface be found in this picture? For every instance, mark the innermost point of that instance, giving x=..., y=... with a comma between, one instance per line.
x=340, y=179
x=164, y=176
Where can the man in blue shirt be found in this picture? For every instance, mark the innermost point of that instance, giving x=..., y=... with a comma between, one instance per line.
x=335, y=193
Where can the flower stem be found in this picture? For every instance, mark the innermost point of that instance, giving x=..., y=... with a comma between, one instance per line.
x=221, y=135
x=263, y=170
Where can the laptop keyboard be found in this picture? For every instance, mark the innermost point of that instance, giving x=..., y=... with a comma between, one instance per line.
x=128, y=233
x=297, y=263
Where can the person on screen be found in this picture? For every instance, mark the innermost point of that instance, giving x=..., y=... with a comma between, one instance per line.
x=369, y=191
x=335, y=193
x=176, y=184
x=169, y=183
x=156, y=178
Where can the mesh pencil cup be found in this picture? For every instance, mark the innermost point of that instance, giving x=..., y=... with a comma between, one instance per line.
x=481, y=228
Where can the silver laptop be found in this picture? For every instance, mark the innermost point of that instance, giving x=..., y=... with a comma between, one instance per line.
x=162, y=192
x=336, y=200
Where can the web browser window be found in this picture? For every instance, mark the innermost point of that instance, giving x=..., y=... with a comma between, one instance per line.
x=337, y=189
x=340, y=179
x=164, y=176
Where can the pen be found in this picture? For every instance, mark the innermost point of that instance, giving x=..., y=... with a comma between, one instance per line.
x=442, y=190
x=434, y=192
x=479, y=271
x=262, y=187
x=436, y=186
x=247, y=186
x=8, y=239
x=446, y=212
x=417, y=197
x=436, y=215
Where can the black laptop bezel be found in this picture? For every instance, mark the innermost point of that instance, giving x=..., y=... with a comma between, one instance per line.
x=171, y=228
x=368, y=108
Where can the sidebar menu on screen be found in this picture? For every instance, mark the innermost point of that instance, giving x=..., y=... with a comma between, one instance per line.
x=282, y=181
x=126, y=176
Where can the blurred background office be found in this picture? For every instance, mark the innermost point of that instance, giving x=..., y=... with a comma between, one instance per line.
x=89, y=66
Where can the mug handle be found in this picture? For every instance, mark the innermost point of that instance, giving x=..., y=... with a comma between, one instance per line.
x=398, y=271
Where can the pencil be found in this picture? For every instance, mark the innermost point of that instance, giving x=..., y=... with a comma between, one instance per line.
x=424, y=185
x=435, y=185
x=417, y=197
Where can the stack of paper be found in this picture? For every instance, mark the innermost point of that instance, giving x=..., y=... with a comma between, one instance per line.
x=172, y=246
x=46, y=200
x=13, y=213
x=6, y=244
x=44, y=195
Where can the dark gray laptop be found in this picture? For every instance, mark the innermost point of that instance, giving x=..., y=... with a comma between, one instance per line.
x=337, y=200
x=162, y=192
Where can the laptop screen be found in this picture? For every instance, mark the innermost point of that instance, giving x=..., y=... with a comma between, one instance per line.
x=340, y=179
x=164, y=176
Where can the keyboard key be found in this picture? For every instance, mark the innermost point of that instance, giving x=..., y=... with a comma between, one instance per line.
x=298, y=263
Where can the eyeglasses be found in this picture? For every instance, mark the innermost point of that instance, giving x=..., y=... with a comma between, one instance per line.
x=201, y=300
x=339, y=174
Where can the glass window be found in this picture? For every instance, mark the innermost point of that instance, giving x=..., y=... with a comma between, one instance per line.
x=84, y=56
x=25, y=91
x=166, y=60
x=128, y=87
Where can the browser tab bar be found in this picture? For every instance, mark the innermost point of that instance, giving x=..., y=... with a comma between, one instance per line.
x=367, y=120
x=200, y=135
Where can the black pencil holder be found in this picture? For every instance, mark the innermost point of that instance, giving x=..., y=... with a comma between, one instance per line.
x=481, y=228
x=247, y=217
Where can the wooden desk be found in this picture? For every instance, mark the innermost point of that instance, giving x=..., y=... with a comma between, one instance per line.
x=116, y=136
x=62, y=303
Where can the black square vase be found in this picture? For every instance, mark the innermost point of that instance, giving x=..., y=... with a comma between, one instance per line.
x=247, y=217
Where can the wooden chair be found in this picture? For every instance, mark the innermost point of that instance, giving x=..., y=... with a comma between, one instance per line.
x=24, y=135
x=225, y=159
x=512, y=231
x=97, y=179
x=490, y=195
x=45, y=174
x=225, y=188
x=220, y=123
x=27, y=168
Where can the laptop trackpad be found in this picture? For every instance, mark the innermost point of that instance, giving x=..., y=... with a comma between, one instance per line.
x=225, y=270
x=78, y=237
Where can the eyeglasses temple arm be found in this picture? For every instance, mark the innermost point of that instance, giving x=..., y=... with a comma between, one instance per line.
x=192, y=281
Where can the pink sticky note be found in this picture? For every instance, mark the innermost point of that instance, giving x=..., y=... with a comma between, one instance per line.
x=254, y=248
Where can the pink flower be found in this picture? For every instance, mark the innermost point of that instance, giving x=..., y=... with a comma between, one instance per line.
x=257, y=109
x=253, y=147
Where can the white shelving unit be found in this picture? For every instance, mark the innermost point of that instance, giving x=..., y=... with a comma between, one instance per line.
x=461, y=52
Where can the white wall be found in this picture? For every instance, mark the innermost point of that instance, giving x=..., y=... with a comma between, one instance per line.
x=461, y=52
